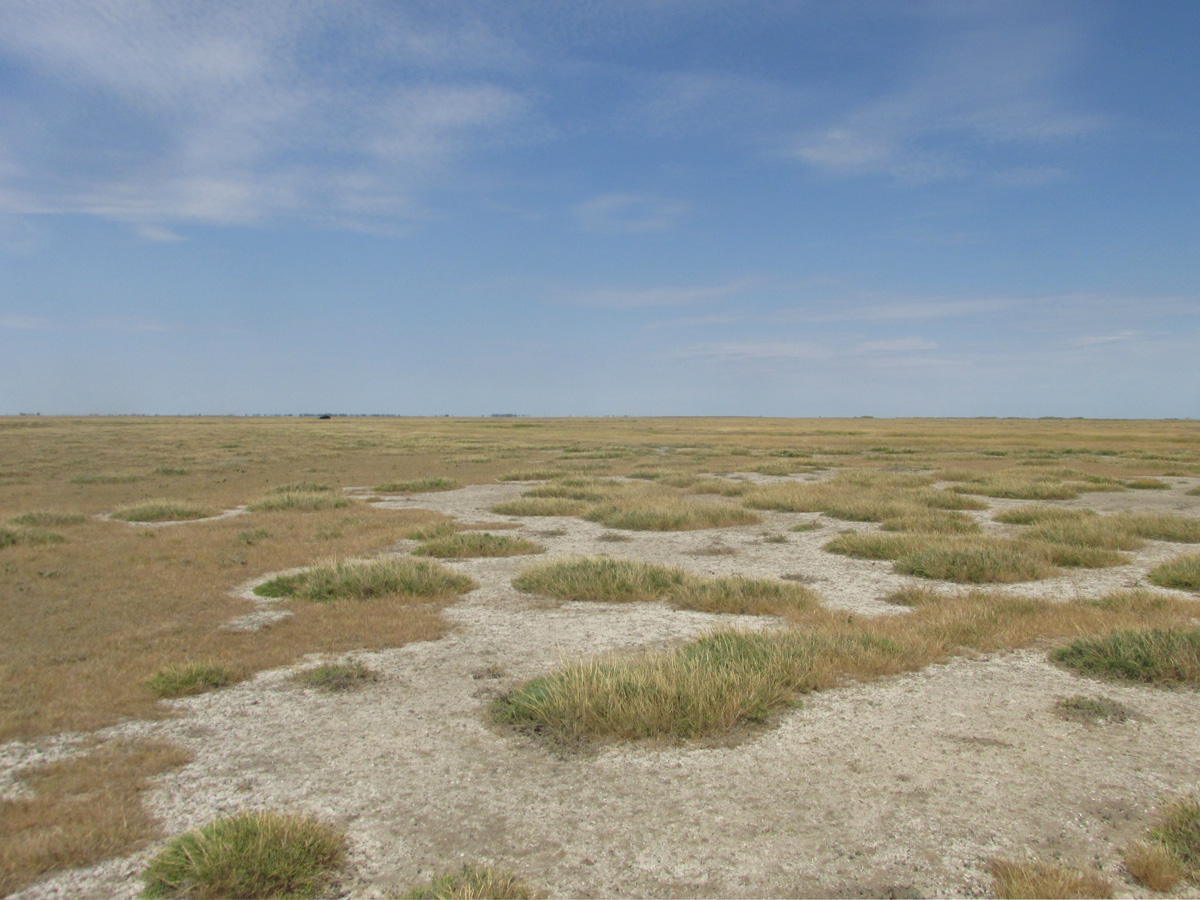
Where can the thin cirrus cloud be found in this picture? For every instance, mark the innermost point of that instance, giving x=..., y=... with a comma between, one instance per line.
x=235, y=121
x=629, y=213
x=994, y=79
x=742, y=351
x=667, y=295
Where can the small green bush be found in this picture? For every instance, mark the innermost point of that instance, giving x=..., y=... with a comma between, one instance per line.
x=186, y=679
x=251, y=855
x=336, y=677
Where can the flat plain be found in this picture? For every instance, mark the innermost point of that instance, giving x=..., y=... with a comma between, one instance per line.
x=612, y=657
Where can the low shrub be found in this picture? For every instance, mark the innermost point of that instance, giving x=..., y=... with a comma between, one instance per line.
x=251, y=855
x=1160, y=656
x=186, y=679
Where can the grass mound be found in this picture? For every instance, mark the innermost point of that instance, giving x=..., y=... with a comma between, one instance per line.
x=337, y=677
x=624, y=581
x=1161, y=656
x=670, y=514
x=32, y=537
x=472, y=883
x=1181, y=572
x=300, y=501
x=1039, y=515
x=1162, y=527
x=417, y=486
x=710, y=685
x=251, y=855
x=162, y=511
x=1013, y=879
x=1092, y=710
x=337, y=580
x=187, y=679
x=476, y=543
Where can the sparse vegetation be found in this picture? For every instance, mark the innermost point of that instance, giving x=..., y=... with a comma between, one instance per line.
x=1177, y=829
x=540, y=506
x=337, y=677
x=33, y=537
x=1092, y=710
x=259, y=854
x=409, y=579
x=1152, y=865
x=162, y=511
x=300, y=501
x=476, y=543
x=417, y=486
x=186, y=679
x=472, y=883
x=47, y=519
x=1013, y=879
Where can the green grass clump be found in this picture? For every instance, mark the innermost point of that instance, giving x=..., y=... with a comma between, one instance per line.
x=429, y=532
x=1162, y=527
x=1181, y=572
x=417, y=486
x=868, y=545
x=709, y=685
x=47, y=519
x=628, y=581
x=531, y=475
x=1101, y=532
x=338, y=580
x=993, y=562
x=1092, y=710
x=1146, y=484
x=540, y=506
x=932, y=521
x=31, y=536
x=1178, y=831
x=476, y=543
x=300, y=501
x=162, y=511
x=670, y=515
x=105, y=479
x=600, y=579
x=472, y=883
x=186, y=679
x=1039, y=515
x=1161, y=656
x=306, y=487
x=252, y=855
x=336, y=677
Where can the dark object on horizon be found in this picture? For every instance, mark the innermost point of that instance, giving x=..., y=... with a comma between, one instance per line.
x=325, y=416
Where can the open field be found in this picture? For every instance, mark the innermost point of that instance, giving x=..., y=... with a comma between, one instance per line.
x=659, y=657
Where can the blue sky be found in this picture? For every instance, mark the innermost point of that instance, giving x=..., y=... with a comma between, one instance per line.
x=661, y=207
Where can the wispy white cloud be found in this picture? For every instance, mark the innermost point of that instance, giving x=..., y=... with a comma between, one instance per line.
x=24, y=322
x=666, y=295
x=629, y=213
x=225, y=112
x=738, y=351
x=896, y=345
x=870, y=308
x=991, y=74
x=1098, y=340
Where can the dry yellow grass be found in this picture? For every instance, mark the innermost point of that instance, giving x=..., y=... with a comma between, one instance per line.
x=81, y=811
x=1015, y=879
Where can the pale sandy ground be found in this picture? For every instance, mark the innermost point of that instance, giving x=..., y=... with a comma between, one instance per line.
x=904, y=787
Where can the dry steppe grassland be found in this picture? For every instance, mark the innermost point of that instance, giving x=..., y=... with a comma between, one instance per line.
x=599, y=657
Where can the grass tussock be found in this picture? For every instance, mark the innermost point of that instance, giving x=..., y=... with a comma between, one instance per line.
x=1182, y=572
x=252, y=855
x=1152, y=865
x=1040, y=515
x=337, y=677
x=32, y=537
x=300, y=501
x=162, y=511
x=1177, y=829
x=1015, y=879
x=1162, y=527
x=626, y=581
x=187, y=679
x=47, y=520
x=417, y=486
x=1092, y=710
x=306, y=487
x=476, y=543
x=1159, y=656
x=472, y=883
x=1146, y=484
x=404, y=578
x=81, y=810
x=670, y=514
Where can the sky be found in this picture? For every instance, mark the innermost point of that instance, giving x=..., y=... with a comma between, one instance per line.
x=600, y=207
